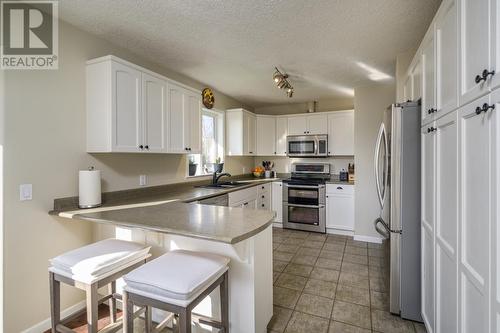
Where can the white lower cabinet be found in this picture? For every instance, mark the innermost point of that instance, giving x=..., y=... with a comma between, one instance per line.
x=340, y=207
x=264, y=196
x=277, y=201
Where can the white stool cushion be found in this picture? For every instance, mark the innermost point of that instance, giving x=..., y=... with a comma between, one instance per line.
x=92, y=261
x=177, y=274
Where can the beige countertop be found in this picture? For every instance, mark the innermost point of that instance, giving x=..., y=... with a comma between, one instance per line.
x=174, y=211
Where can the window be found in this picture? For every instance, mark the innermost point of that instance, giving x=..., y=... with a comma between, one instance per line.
x=212, y=148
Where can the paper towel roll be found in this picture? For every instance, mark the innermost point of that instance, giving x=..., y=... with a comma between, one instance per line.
x=89, y=193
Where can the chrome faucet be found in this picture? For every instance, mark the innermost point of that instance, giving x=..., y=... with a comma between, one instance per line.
x=216, y=176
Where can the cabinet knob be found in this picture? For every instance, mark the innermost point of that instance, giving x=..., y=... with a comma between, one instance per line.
x=262, y=197
x=484, y=75
x=479, y=110
x=141, y=146
x=262, y=205
x=339, y=188
x=146, y=146
x=431, y=129
x=189, y=149
x=431, y=110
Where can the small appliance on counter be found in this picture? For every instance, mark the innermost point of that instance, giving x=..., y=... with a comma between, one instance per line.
x=89, y=188
x=343, y=175
x=350, y=170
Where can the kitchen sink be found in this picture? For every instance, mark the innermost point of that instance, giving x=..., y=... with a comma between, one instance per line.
x=223, y=185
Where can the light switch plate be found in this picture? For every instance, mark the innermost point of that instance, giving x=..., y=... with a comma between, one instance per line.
x=142, y=180
x=25, y=192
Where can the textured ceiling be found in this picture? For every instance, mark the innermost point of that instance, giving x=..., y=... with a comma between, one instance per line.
x=328, y=46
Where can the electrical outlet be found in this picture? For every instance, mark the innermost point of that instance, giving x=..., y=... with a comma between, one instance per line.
x=142, y=180
x=25, y=192
x=244, y=170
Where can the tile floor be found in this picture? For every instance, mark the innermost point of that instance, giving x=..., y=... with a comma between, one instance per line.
x=331, y=284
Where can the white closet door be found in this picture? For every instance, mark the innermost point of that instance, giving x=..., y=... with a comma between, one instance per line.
x=495, y=234
x=474, y=48
x=428, y=217
x=476, y=140
x=447, y=223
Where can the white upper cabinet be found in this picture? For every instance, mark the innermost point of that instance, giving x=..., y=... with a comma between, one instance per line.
x=416, y=77
x=307, y=124
x=317, y=124
x=341, y=133
x=281, y=133
x=154, y=108
x=408, y=89
x=447, y=57
x=240, y=132
x=428, y=78
x=495, y=44
x=131, y=109
x=475, y=45
x=297, y=125
x=127, y=113
x=266, y=135
x=126, y=108
x=184, y=120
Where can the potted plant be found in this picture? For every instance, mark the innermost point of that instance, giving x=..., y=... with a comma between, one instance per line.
x=192, y=166
x=218, y=165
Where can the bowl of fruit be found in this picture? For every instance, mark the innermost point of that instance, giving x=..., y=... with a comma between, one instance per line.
x=258, y=171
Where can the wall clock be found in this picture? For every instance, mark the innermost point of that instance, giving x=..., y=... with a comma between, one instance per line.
x=208, y=98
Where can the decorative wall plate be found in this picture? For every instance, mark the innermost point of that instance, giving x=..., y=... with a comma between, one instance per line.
x=208, y=98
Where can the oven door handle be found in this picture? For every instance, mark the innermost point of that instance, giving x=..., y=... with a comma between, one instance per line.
x=305, y=186
x=303, y=206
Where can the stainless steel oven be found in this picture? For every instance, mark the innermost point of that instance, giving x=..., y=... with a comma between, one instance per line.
x=307, y=145
x=304, y=207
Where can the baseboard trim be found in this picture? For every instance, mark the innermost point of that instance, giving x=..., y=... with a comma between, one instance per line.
x=278, y=225
x=341, y=232
x=369, y=239
x=45, y=324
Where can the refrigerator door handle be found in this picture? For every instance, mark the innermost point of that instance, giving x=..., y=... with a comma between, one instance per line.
x=387, y=231
x=380, y=137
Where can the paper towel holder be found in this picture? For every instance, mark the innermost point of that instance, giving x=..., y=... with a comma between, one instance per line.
x=89, y=192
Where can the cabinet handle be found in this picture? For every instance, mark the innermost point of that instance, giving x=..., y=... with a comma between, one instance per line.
x=339, y=188
x=486, y=107
x=431, y=129
x=484, y=75
x=479, y=110
x=141, y=146
x=432, y=110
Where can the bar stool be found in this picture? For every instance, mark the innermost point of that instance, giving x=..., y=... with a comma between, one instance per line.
x=90, y=268
x=177, y=282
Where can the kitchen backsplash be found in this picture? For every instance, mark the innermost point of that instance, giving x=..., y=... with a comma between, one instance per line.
x=283, y=164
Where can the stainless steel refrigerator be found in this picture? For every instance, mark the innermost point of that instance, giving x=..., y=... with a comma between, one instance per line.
x=397, y=172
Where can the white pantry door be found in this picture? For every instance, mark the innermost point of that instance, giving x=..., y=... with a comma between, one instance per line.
x=428, y=217
x=428, y=80
x=476, y=142
x=447, y=223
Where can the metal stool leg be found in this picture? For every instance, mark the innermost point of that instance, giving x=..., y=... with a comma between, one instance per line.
x=55, y=302
x=148, y=319
x=112, y=303
x=185, y=321
x=224, y=302
x=92, y=315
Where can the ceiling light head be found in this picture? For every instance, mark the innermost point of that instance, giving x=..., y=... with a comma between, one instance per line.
x=281, y=81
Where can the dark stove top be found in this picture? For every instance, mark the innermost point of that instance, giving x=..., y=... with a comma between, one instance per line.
x=304, y=181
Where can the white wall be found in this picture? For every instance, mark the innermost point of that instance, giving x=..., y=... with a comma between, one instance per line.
x=283, y=164
x=45, y=146
x=2, y=112
x=332, y=104
x=370, y=103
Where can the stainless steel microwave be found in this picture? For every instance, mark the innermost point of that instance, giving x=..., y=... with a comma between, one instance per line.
x=307, y=145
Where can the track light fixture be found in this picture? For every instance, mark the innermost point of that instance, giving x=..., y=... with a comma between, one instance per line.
x=281, y=81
